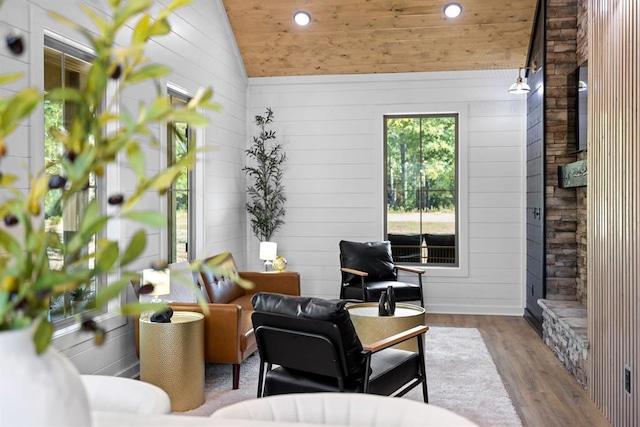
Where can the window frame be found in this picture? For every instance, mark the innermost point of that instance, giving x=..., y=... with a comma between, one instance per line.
x=462, y=109
x=67, y=336
x=85, y=55
x=456, y=189
x=173, y=91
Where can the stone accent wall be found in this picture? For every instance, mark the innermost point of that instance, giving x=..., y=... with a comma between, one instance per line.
x=564, y=316
x=564, y=330
x=581, y=193
x=583, y=32
x=560, y=144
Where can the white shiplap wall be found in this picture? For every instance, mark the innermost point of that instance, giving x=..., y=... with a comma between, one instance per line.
x=202, y=52
x=331, y=127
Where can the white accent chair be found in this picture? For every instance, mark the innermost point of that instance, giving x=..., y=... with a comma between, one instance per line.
x=341, y=409
x=125, y=395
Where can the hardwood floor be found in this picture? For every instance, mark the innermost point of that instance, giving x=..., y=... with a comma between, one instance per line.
x=543, y=392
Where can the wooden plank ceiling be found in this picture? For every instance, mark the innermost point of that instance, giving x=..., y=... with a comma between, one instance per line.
x=379, y=36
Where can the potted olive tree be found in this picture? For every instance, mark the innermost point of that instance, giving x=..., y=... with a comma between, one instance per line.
x=40, y=386
x=265, y=189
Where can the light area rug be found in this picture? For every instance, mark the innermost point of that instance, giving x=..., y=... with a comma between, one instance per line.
x=461, y=376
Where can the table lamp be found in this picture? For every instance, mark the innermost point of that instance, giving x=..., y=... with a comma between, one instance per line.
x=160, y=280
x=268, y=252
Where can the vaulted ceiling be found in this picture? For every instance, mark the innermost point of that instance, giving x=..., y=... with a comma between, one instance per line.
x=379, y=36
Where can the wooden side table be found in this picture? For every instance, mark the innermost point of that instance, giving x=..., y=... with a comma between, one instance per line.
x=371, y=327
x=172, y=357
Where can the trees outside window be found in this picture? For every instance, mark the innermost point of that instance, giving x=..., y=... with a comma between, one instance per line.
x=421, y=188
x=180, y=212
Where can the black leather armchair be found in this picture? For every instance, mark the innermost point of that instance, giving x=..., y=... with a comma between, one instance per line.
x=368, y=269
x=316, y=349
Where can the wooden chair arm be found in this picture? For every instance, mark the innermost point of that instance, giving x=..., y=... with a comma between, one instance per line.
x=395, y=339
x=353, y=271
x=410, y=269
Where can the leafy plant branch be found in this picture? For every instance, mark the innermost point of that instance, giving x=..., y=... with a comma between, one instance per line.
x=27, y=281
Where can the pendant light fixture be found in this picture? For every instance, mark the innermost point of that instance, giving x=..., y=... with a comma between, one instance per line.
x=520, y=87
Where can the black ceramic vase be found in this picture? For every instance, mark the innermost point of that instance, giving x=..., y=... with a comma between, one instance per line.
x=383, y=304
x=391, y=300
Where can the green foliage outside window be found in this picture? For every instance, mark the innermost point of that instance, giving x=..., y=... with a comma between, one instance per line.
x=181, y=142
x=421, y=159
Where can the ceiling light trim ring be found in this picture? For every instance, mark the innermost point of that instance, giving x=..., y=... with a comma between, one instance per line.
x=452, y=10
x=302, y=18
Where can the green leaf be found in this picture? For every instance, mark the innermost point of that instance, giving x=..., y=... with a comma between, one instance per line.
x=100, y=23
x=131, y=8
x=158, y=109
x=150, y=218
x=147, y=72
x=160, y=27
x=194, y=118
x=11, y=245
x=141, y=31
x=136, y=309
x=106, y=256
x=69, y=23
x=62, y=281
x=42, y=335
x=114, y=290
x=21, y=105
x=175, y=4
x=91, y=214
x=8, y=78
x=67, y=94
x=136, y=159
x=135, y=248
x=7, y=179
x=164, y=179
x=92, y=223
x=202, y=95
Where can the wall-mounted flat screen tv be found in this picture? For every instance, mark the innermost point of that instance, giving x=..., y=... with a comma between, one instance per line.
x=581, y=107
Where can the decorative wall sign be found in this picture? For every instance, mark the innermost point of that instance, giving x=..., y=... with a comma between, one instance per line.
x=573, y=174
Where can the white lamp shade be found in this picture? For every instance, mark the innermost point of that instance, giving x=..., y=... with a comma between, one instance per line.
x=160, y=279
x=268, y=251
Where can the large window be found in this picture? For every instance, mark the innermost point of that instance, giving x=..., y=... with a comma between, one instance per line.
x=180, y=199
x=64, y=66
x=421, y=188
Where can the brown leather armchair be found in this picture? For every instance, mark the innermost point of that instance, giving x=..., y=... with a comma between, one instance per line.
x=229, y=336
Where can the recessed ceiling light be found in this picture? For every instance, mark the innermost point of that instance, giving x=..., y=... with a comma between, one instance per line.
x=452, y=10
x=302, y=18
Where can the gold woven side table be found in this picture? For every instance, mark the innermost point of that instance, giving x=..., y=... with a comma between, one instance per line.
x=172, y=357
x=371, y=327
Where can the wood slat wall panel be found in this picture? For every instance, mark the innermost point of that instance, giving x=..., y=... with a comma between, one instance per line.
x=614, y=201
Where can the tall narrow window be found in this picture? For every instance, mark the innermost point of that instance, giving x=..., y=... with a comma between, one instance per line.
x=180, y=200
x=421, y=188
x=64, y=66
